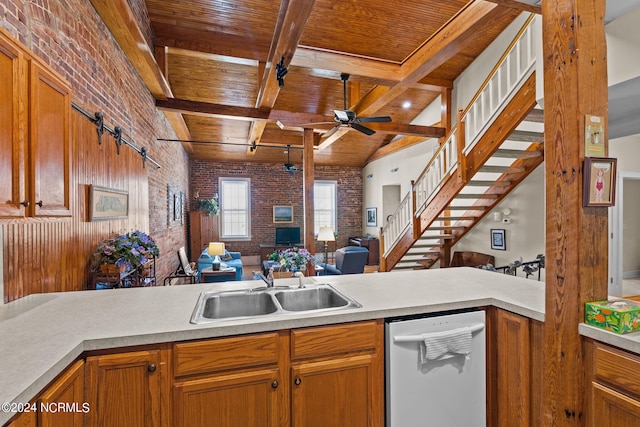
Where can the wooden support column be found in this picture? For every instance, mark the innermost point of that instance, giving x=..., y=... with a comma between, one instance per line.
x=575, y=84
x=307, y=185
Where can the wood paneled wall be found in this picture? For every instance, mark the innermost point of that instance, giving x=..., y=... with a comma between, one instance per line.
x=49, y=255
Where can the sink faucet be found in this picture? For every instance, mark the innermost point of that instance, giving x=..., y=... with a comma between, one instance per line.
x=299, y=275
x=270, y=278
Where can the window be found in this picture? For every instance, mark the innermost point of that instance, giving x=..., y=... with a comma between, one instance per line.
x=324, y=202
x=235, y=213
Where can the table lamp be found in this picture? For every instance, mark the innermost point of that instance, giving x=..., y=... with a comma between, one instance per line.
x=326, y=235
x=216, y=249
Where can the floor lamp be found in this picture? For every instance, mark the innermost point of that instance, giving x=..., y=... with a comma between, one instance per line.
x=326, y=235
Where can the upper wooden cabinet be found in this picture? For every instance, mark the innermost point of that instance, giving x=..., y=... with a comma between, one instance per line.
x=35, y=108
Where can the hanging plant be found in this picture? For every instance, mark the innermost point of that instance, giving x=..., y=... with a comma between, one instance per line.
x=210, y=206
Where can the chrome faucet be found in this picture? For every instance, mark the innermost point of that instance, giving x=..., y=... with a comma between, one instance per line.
x=270, y=279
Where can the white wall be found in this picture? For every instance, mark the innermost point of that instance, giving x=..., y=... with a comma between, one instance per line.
x=525, y=236
x=622, y=39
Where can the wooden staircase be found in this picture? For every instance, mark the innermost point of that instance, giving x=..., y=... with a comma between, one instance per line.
x=466, y=179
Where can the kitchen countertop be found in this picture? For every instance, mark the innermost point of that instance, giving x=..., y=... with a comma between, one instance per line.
x=42, y=334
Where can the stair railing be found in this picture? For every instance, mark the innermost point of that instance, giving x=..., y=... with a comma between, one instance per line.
x=506, y=78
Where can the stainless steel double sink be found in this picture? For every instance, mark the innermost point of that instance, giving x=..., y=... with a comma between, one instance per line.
x=212, y=306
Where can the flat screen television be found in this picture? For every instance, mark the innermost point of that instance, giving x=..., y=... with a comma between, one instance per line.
x=287, y=235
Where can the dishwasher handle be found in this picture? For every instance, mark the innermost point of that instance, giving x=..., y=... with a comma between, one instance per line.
x=420, y=338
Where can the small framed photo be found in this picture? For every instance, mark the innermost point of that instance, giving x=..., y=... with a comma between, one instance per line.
x=282, y=214
x=498, y=240
x=372, y=217
x=599, y=181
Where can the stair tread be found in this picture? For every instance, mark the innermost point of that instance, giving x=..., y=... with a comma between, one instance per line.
x=476, y=196
x=516, y=154
x=502, y=169
x=526, y=136
x=456, y=218
x=488, y=183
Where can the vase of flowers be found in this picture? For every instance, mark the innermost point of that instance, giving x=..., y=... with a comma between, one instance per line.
x=125, y=252
x=292, y=259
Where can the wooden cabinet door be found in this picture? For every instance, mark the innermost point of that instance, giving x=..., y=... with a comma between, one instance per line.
x=49, y=144
x=125, y=389
x=340, y=392
x=613, y=409
x=249, y=399
x=12, y=133
x=68, y=390
x=513, y=370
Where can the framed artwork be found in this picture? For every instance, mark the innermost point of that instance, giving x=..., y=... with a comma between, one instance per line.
x=498, y=240
x=107, y=203
x=599, y=181
x=283, y=214
x=372, y=217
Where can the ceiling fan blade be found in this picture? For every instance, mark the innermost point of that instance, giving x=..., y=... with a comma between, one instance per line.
x=362, y=129
x=331, y=131
x=378, y=119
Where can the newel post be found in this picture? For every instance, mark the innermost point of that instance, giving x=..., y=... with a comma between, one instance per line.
x=415, y=224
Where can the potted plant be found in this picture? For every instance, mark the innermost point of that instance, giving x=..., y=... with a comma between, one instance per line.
x=292, y=259
x=210, y=206
x=124, y=252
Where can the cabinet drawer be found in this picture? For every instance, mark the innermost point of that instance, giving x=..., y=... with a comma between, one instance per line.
x=335, y=339
x=617, y=368
x=226, y=353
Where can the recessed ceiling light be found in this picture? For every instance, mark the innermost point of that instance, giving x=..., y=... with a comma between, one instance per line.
x=406, y=104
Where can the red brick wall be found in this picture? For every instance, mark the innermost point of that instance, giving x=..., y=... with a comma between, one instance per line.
x=270, y=186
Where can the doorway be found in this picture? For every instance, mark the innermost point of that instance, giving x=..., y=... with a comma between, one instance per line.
x=390, y=201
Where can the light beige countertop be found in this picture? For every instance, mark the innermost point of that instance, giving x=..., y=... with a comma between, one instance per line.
x=40, y=335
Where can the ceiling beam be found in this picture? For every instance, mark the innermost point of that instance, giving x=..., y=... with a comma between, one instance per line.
x=288, y=119
x=121, y=21
x=515, y=4
x=292, y=20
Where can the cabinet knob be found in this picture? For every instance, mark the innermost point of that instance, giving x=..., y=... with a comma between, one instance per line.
x=39, y=203
x=151, y=368
x=24, y=203
x=274, y=384
x=297, y=381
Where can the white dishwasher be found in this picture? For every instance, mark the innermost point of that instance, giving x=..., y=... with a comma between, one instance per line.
x=435, y=371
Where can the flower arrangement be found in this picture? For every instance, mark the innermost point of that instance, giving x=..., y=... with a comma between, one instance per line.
x=131, y=250
x=292, y=259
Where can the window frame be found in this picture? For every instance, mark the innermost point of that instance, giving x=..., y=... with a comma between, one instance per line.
x=221, y=182
x=334, y=184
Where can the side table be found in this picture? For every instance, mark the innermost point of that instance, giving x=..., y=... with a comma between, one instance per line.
x=222, y=275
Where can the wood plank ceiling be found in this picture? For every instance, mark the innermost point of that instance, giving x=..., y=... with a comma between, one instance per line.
x=220, y=59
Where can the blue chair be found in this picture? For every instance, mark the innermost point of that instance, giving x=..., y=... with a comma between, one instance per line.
x=349, y=260
x=232, y=259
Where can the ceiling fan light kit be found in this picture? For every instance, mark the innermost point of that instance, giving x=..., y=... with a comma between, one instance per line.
x=348, y=118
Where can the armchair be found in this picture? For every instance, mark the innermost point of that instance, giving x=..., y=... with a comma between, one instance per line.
x=349, y=260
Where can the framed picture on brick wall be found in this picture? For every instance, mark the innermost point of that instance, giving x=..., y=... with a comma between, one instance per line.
x=282, y=214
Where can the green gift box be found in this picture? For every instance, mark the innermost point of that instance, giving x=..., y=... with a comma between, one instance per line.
x=620, y=316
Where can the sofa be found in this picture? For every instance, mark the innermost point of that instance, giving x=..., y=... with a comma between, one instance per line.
x=232, y=259
x=349, y=260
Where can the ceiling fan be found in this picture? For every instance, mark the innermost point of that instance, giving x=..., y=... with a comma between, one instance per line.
x=347, y=118
x=290, y=167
